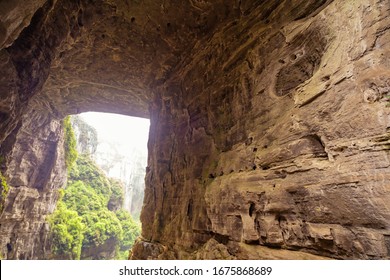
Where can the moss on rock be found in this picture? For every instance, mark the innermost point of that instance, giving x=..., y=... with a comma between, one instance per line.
x=4, y=188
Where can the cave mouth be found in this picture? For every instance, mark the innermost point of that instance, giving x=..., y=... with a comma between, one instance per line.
x=120, y=151
x=119, y=148
x=105, y=185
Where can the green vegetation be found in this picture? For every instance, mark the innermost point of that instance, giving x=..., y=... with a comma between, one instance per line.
x=89, y=219
x=83, y=220
x=131, y=229
x=69, y=143
x=86, y=171
x=67, y=232
x=4, y=188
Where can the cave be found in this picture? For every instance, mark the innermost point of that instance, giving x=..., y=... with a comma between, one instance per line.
x=269, y=134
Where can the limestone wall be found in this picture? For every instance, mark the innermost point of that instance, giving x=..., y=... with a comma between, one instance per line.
x=275, y=134
x=269, y=121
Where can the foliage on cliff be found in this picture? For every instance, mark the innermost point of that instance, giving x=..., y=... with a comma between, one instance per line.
x=69, y=143
x=131, y=230
x=4, y=189
x=67, y=231
x=83, y=220
x=85, y=170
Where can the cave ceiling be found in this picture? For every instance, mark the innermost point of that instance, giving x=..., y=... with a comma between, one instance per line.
x=109, y=55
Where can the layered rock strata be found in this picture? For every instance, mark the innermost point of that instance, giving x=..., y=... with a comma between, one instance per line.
x=275, y=133
x=269, y=126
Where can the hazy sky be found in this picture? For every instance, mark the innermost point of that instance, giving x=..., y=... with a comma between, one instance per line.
x=122, y=151
x=122, y=129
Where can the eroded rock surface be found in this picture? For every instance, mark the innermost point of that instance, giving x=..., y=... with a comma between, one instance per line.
x=36, y=170
x=269, y=126
x=280, y=137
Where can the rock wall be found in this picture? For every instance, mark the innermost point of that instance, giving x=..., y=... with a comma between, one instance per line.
x=31, y=134
x=61, y=57
x=275, y=133
x=269, y=127
x=35, y=171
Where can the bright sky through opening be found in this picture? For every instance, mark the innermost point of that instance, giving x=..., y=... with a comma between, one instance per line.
x=121, y=129
x=122, y=152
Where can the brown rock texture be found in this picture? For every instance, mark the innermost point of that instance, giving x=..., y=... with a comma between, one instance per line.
x=15, y=15
x=276, y=135
x=269, y=127
x=36, y=169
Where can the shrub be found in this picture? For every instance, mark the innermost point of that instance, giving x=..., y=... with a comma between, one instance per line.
x=101, y=226
x=67, y=232
x=89, y=173
x=4, y=191
x=83, y=198
x=131, y=229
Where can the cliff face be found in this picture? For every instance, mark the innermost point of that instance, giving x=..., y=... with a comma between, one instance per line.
x=35, y=171
x=276, y=134
x=269, y=127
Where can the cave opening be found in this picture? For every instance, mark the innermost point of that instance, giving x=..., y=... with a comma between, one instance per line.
x=121, y=151
x=105, y=185
x=242, y=98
